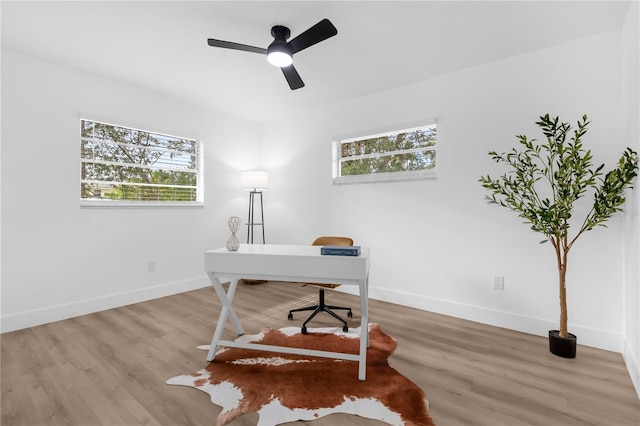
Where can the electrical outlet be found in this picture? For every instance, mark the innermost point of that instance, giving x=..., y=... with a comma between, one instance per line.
x=151, y=266
x=498, y=282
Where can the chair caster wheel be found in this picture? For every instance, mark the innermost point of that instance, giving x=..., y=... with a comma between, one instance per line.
x=350, y=314
x=290, y=316
x=304, y=330
x=345, y=329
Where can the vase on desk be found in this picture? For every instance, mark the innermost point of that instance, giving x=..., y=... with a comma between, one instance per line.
x=234, y=223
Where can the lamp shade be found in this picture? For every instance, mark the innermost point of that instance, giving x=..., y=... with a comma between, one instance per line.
x=255, y=179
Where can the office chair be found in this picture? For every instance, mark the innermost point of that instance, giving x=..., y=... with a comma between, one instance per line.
x=321, y=306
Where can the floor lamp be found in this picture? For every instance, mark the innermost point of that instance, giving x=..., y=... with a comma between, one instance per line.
x=255, y=181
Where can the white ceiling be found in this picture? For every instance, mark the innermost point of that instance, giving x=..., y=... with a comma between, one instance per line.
x=380, y=45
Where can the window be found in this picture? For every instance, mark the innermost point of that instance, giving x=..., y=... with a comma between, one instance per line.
x=399, y=155
x=131, y=167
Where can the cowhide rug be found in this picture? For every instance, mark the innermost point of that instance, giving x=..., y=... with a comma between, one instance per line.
x=284, y=388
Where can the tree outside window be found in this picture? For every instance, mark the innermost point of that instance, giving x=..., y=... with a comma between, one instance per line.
x=403, y=152
x=124, y=164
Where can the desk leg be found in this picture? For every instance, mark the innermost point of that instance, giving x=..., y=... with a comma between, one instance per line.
x=226, y=311
x=232, y=313
x=364, y=329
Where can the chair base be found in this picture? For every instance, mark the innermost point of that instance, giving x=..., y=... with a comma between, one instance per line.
x=322, y=307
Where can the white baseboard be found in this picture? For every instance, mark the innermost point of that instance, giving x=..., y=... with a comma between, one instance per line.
x=632, y=361
x=586, y=336
x=601, y=339
x=56, y=313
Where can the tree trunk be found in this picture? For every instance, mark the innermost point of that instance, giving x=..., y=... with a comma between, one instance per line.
x=562, y=278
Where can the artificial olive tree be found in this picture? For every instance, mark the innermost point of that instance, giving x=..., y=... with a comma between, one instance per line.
x=544, y=182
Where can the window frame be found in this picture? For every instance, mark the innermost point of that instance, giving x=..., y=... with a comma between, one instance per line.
x=199, y=173
x=399, y=176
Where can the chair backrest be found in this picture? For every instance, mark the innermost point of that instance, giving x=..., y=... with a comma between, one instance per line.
x=332, y=241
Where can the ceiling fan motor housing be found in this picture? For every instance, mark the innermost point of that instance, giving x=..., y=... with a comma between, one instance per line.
x=280, y=47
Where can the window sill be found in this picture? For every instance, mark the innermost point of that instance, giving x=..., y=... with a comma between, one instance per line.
x=385, y=177
x=139, y=204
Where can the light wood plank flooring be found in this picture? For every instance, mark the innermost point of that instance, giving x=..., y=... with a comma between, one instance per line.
x=109, y=368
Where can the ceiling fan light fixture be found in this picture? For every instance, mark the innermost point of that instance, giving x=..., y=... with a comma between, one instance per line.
x=280, y=53
x=279, y=56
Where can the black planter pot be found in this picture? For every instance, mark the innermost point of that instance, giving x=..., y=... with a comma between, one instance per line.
x=562, y=346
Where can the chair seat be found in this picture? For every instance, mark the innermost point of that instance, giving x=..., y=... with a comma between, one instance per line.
x=324, y=285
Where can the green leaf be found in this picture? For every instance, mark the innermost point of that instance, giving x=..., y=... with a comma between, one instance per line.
x=562, y=168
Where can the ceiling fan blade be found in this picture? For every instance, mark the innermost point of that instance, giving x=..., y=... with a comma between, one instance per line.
x=319, y=32
x=292, y=76
x=236, y=46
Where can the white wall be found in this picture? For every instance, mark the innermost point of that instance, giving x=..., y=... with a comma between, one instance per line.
x=60, y=260
x=437, y=244
x=631, y=91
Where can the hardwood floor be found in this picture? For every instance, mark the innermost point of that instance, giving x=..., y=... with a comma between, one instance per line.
x=109, y=368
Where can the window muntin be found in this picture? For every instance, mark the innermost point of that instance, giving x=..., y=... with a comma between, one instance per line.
x=126, y=166
x=399, y=155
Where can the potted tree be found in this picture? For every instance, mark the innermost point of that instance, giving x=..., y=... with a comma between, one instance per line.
x=542, y=185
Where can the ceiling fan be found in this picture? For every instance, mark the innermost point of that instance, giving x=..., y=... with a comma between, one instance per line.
x=280, y=52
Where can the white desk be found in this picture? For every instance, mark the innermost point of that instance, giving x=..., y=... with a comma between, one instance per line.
x=287, y=263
